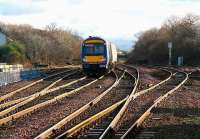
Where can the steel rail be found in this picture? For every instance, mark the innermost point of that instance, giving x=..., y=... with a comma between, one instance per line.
x=138, y=122
x=195, y=74
x=10, y=103
x=71, y=132
x=154, y=86
x=67, y=119
x=30, y=98
x=111, y=128
x=40, y=105
x=108, y=132
x=41, y=93
x=27, y=86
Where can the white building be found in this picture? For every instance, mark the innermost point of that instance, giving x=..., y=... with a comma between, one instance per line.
x=3, y=39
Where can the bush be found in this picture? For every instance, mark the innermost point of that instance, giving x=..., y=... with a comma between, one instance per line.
x=51, y=46
x=151, y=46
x=13, y=52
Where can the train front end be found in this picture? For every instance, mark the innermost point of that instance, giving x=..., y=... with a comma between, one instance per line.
x=94, y=56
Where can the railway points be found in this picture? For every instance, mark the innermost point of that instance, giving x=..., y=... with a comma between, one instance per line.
x=105, y=111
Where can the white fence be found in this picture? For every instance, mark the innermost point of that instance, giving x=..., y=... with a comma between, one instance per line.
x=10, y=68
x=10, y=77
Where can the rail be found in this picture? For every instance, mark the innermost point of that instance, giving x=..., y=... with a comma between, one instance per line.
x=41, y=93
x=154, y=86
x=40, y=105
x=27, y=86
x=108, y=132
x=110, y=129
x=138, y=122
x=28, y=99
x=85, y=123
x=63, y=122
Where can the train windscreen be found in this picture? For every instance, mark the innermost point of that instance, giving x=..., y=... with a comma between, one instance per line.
x=94, y=49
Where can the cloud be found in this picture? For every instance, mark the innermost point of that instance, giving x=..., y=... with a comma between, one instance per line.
x=184, y=1
x=15, y=8
x=111, y=19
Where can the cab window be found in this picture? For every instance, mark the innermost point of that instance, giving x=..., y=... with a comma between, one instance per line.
x=94, y=49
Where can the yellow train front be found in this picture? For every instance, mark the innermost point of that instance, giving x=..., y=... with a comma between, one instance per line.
x=97, y=55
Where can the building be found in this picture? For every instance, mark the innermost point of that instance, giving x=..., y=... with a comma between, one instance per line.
x=3, y=39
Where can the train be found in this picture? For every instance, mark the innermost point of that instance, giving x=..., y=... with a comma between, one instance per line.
x=97, y=55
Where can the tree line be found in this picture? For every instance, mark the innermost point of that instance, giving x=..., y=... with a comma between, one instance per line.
x=29, y=46
x=151, y=46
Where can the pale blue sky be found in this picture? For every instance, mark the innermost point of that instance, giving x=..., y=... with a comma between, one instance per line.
x=115, y=20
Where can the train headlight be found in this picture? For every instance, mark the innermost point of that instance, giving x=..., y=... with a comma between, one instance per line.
x=84, y=60
x=103, y=59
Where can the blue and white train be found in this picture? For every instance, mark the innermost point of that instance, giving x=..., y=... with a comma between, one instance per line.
x=97, y=55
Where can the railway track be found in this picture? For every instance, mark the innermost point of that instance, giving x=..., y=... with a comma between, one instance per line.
x=107, y=111
x=153, y=98
x=9, y=99
x=53, y=87
x=31, y=103
x=48, y=112
x=99, y=122
x=113, y=106
x=17, y=85
x=177, y=116
x=23, y=103
x=108, y=133
x=108, y=122
x=111, y=131
x=46, y=84
x=31, y=88
x=80, y=113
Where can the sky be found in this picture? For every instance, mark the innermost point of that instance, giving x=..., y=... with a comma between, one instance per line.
x=118, y=21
